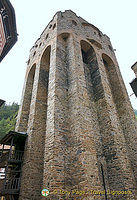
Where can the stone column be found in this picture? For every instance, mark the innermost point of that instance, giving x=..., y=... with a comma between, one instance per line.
x=86, y=144
x=57, y=132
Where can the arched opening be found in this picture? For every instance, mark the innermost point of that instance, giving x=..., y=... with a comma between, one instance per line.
x=23, y=115
x=96, y=94
x=45, y=59
x=92, y=74
x=113, y=79
x=123, y=108
x=34, y=154
x=74, y=23
x=44, y=76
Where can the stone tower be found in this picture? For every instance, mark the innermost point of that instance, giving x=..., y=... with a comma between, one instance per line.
x=80, y=123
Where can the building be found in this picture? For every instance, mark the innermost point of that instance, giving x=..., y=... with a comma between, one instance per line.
x=8, y=32
x=133, y=83
x=78, y=117
x=1, y=102
x=11, y=158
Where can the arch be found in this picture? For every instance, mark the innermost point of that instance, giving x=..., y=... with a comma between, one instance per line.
x=74, y=22
x=23, y=116
x=54, y=26
x=32, y=71
x=28, y=91
x=92, y=74
x=45, y=58
x=44, y=74
x=64, y=36
x=107, y=60
x=123, y=107
x=95, y=90
x=113, y=80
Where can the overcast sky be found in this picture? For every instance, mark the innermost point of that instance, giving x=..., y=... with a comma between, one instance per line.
x=116, y=18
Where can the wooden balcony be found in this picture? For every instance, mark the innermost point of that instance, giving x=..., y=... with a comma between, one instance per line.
x=4, y=158
x=11, y=156
x=15, y=156
x=11, y=159
x=10, y=186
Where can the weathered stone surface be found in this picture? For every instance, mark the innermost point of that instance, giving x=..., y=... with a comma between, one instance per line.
x=80, y=123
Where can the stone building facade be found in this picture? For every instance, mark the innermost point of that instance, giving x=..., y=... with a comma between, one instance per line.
x=80, y=123
x=133, y=83
x=8, y=30
x=134, y=68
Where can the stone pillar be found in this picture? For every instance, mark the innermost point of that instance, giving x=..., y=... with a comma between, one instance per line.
x=57, y=132
x=86, y=143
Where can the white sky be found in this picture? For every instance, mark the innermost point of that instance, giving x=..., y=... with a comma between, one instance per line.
x=115, y=18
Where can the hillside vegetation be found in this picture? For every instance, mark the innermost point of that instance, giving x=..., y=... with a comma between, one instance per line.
x=8, y=115
x=135, y=113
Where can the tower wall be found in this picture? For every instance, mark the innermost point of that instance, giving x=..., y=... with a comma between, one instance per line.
x=75, y=108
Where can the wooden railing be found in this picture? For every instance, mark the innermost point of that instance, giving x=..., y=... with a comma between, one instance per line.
x=12, y=184
x=4, y=155
x=13, y=155
x=16, y=155
x=4, y=151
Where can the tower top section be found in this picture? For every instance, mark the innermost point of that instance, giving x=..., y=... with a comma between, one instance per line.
x=69, y=22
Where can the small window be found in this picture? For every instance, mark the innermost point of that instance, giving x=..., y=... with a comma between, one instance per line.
x=86, y=24
x=28, y=62
x=99, y=33
x=74, y=23
x=47, y=36
x=54, y=26
x=50, y=26
x=110, y=47
x=40, y=44
x=34, y=54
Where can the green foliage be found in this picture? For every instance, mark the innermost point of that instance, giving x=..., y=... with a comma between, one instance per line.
x=8, y=115
x=135, y=113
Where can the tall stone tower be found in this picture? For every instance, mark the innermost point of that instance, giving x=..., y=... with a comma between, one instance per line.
x=80, y=123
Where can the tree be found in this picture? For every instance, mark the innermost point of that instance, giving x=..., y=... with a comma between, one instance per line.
x=8, y=114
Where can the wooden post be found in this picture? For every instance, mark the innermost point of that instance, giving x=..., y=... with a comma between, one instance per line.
x=11, y=147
